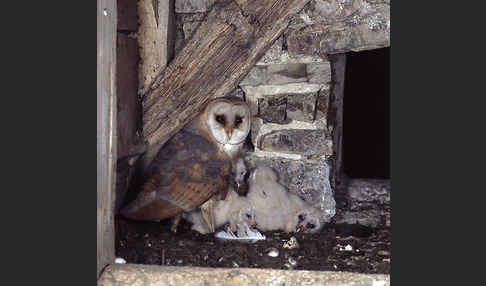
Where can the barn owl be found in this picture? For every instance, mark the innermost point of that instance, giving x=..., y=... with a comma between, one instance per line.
x=233, y=210
x=278, y=209
x=194, y=165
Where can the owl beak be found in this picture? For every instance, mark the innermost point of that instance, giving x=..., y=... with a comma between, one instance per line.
x=229, y=131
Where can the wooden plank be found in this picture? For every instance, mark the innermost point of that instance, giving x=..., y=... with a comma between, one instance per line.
x=129, y=116
x=106, y=131
x=335, y=115
x=234, y=35
x=155, y=38
x=129, y=112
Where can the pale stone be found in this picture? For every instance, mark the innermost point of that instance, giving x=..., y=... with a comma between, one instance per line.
x=193, y=6
x=324, y=28
x=371, y=218
x=300, y=141
x=301, y=107
x=276, y=55
x=369, y=191
x=283, y=103
x=256, y=76
x=297, y=88
x=309, y=179
x=369, y=203
x=156, y=275
x=273, y=109
x=259, y=128
x=276, y=74
x=286, y=73
x=322, y=105
x=319, y=72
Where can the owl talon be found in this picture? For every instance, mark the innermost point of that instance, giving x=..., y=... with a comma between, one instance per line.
x=207, y=214
x=175, y=223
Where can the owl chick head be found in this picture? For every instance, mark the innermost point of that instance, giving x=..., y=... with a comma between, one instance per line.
x=228, y=120
x=308, y=220
x=246, y=215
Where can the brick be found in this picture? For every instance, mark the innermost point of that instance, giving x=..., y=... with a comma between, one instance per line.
x=297, y=141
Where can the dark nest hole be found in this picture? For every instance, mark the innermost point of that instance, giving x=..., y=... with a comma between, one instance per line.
x=337, y=247
x=366, y=115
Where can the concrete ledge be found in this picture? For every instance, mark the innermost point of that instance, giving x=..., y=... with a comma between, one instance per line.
x=145, y=275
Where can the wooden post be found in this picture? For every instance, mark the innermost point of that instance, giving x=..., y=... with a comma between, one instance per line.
x=234, y=35
x=338, y=70
x=106, y=131
x=155, y=38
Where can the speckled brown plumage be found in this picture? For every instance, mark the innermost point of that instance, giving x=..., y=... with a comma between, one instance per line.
x=194, y=165
x=179, y=179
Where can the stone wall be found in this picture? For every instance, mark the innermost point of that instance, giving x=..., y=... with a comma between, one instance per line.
x=289, y=97
x=289, y=100
x=368, y=203
x=295, y=90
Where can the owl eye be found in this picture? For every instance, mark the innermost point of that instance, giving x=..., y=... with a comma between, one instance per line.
x=221, y=119
x=301, y=217
x=248, y=216
x=310, y=225
x=238, y=121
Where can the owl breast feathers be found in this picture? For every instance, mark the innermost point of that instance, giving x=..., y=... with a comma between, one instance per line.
x=194, y=164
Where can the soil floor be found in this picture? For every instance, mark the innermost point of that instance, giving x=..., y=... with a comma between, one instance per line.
x=351, y=248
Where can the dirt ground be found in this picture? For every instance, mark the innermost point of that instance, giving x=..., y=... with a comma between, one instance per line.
x=335, y=248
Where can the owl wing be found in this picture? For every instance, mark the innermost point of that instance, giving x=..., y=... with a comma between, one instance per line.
x=186, y=172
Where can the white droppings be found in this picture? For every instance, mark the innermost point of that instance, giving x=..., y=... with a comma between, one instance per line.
x=347, y=248
x=379, y=282
x=292, y=261
x=120, y=260
x=105, y=12
x=273, y=252
x=249, y=234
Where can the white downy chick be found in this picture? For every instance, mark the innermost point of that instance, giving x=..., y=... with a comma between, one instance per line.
x=233, y=210
x=278, y=209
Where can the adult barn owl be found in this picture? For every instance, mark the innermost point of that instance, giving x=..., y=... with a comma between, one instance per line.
x=278, y=209
x=194, y=164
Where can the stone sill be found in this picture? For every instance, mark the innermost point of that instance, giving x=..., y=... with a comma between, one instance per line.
x=154, y=275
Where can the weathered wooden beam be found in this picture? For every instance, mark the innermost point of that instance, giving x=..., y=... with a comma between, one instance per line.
x=335, y=118
x=330, y=27
x=234, y=35
x=155, y=38
x=106, y=131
